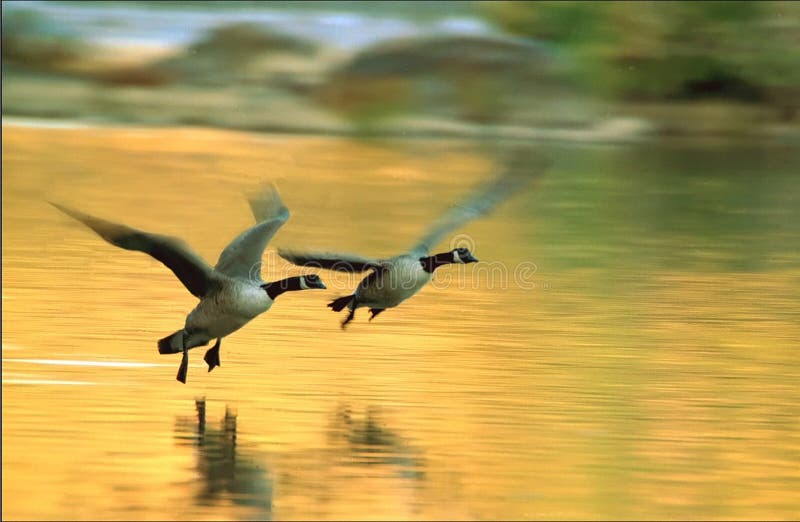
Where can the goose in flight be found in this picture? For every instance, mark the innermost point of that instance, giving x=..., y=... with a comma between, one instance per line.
x=231, y=293
x=393, y=280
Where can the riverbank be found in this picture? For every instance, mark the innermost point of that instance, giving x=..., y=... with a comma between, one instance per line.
x=256, y=109
x=444, y=79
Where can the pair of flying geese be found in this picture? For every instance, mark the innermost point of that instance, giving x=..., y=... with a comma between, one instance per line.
x=232, y=293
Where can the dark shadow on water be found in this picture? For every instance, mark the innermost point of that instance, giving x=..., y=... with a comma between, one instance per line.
x=227, y=471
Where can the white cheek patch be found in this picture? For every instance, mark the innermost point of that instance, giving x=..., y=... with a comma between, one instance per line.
x=303, y=285
x=456, y=259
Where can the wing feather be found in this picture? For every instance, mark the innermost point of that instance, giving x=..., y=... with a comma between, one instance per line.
x=520, y=169
x=331, y=261
x=191, y=270
x=242, y=257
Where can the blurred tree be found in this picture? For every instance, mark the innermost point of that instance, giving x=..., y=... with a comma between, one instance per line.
x=770, y=52
x=666, y=50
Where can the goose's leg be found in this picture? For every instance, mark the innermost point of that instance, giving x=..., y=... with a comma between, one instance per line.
x=184, y=367
x=375, y=312
x=212, y=356
x=350, y=316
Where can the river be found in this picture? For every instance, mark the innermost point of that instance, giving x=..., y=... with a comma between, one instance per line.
x=626, y=349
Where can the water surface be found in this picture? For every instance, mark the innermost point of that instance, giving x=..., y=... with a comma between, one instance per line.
x=627, y=350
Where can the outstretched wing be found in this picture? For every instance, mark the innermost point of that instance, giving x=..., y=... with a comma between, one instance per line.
x=519, y=169
x=242, y=257
x=330, y=261
x=193, y=272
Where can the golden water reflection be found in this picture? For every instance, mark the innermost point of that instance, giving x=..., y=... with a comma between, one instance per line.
x=646, y=369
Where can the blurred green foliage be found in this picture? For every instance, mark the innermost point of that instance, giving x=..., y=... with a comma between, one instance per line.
x=655, y=51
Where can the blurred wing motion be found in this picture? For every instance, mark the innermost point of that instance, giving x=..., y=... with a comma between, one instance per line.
x=330, y=261
x=519, y=171
x=242, y=257
x=265, y=203
x=193, y=272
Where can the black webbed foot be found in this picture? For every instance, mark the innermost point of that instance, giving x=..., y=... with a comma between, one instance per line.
x=184, y=367
x=212, y=356
x=375, y=312
x=349, y=317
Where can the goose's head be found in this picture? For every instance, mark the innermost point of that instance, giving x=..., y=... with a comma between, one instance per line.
x=310, y=281
x=463, y=255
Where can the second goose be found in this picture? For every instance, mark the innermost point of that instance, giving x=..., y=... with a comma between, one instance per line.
x=393, y=280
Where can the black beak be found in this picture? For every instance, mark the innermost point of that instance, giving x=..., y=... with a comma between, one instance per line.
x=469, y=259
x=316, y=284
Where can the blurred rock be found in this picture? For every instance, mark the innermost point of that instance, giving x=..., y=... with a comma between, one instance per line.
x=238, y=53
x=478, y=79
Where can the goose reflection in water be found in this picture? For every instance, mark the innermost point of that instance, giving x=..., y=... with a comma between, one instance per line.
x=361, y=466
x=360, y=454
x=364, y=439
x=228, y=473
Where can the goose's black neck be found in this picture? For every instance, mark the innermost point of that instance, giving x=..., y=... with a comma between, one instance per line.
x=431, y=263
x=276, y=288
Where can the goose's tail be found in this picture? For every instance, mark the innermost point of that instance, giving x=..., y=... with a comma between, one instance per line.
x=340, y=303
x=172, y=343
